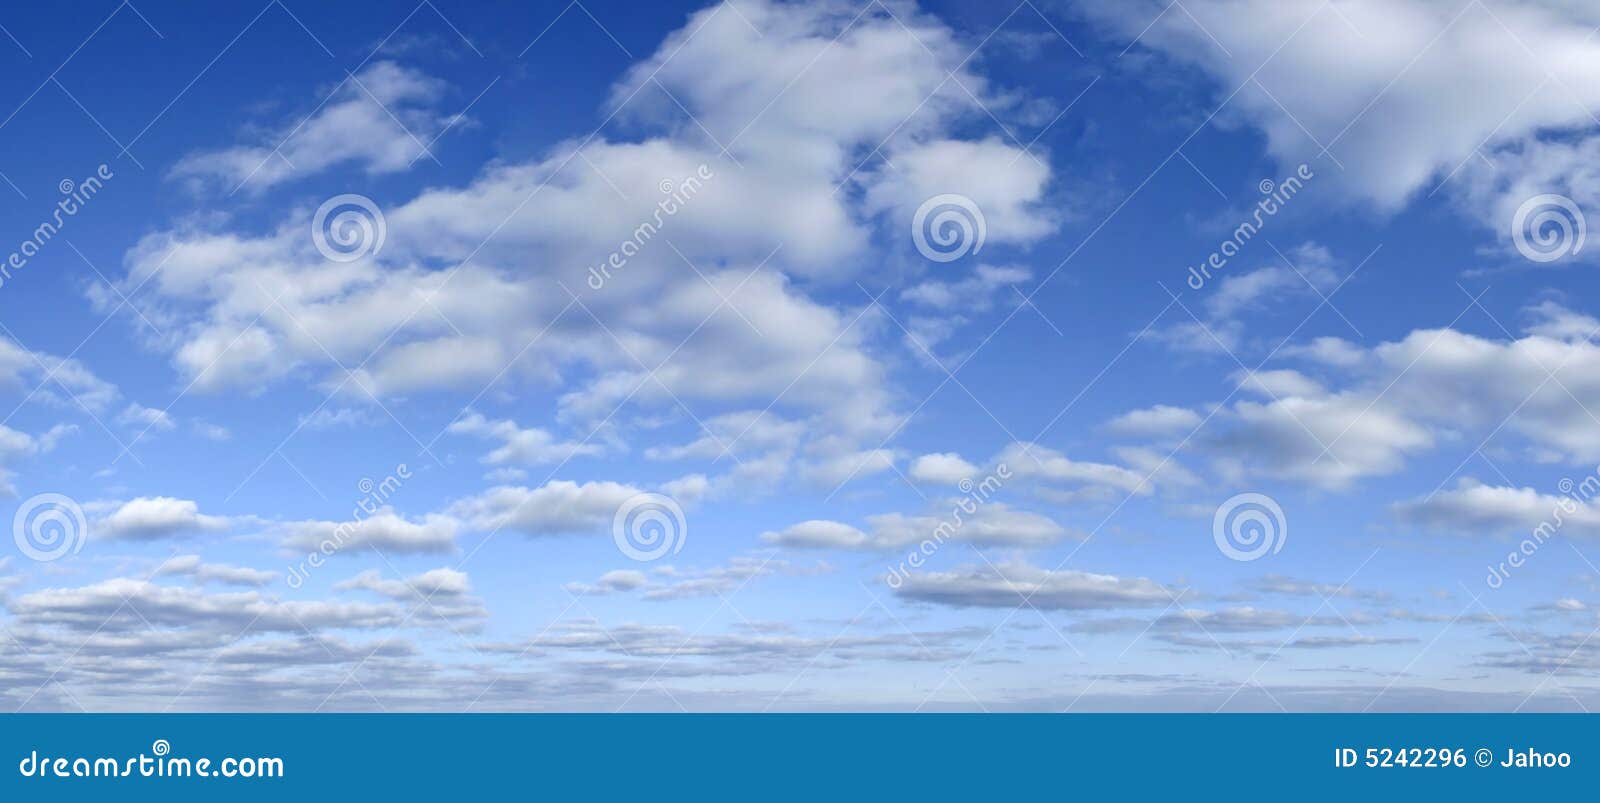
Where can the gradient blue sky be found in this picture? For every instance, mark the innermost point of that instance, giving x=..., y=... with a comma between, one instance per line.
x=780, y=361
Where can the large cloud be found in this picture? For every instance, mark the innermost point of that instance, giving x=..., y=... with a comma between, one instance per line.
x=1379, y=407
x=702, y=312
x=1403, y=94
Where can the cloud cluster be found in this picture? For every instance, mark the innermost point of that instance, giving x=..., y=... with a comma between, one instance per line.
x=1405, y=96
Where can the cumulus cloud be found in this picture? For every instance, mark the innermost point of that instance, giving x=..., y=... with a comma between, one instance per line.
x=1379, y=407
x=819, y=534
x=148, y=418
x=518, y=445
x=380, y=120
x=203, y=572
x=672, y=583
x=123, y=604
x=616, y=580
x=438, y=595
x=1008, y=584
x=973, y=293
x=559, y=507
x=461, y=294
x=15, y=445
x=989, y=524
x=945, y=468
x=385, y=530
x=148, y=518
x=1156, y=421
x=1473, y=508
x=1031, y=461
x=1402, y=94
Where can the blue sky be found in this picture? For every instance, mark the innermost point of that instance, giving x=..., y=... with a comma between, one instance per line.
x=1385, y=379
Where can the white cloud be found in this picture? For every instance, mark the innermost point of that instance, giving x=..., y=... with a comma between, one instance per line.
x=616, y=580
x=672, y=583
x=946, y=468
x=438, y=595
x=60, y=381
x=555, y=508
x=121, y=604
x=1472, y=508
x=1396, y=400
x=818, y=533
x=1004, y=184
x=1008, y=584
x=1306, y=269
x=522, y=446
x=149, y=518
x=461, y=294
x=385, y=530
x=334, y=418
x=975, y=293
x=1030, y=461
x=380, y=120
x=212, y=432
x=1404, y=94
x=16, y=445
x=989, y=524
x=147, y=418
x=193, y=566
x=1156, y=421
